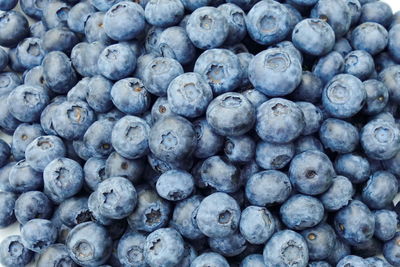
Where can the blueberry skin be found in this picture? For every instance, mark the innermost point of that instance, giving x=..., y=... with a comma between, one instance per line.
x=159, y=72
x=309, y=89
x=355, y=10
x=228, y=246
x=4, y=152
x=360, y=64
x=7, y=121
x=141, y=63
x=221, y=69
x=172, y=139
x=63, y=178
x=151, y=213
x=210, y=259
x=256, y=224
x=342, y=45
x=38, y=234
x=151, y=41
x=189, y=95
x=24, y=178
x=93, y=205
x=71, y=119
x=328, y=66
x=388, y=77
x=103, y=5
x=59, y=39
x=313, y=117
x=337, y=14
x=378, y=262
x=97, y=138
x=7, y=5
x=272, y=156
x=380, y=139
x=55, y=14
x=184, y=217
x=218, y=215
x=354, y=166
x=352, y=260
x=394, y=42
x=131, y=249
x=282, y=69
x=378, y=12
x=130, y=137
x=370, y=37
x=42, y=150
x=307, y=142
x=244, y=59
x=279, y=121
x=94, y=32
x=8, y=82
x=320, y=241
x=160, y=109
x=338, y=195
x=254, y=96
x=268, y=188
x=89, y=244
x=235, y=18
x=300, y=212
x=192, y=5
x=276, y=250
x=98, y=94
x=380, y=190
x=385, y=224
x=58, y=72
x=55, y=255
x=258, y=27
x=355, y=223
x=26, y=102
x=117, y=165
x=5, y=185
x=124, y=21
x=74, y=211
x=33, y=205
x=84, y=57
x=3, y=59
x=94, y=172
x=207, y=28
x=220, y=174
x=30, y=52
x=340, y=250
x=15, y=27
x=164, y=13
x=253, y=260
x=377, y=97
x=239, y=149
x=79, y=91
x=209, y=143
x=13, y=253
x=175, y=185
x=344, y=96
x=231, y=114
x=339, y=135
x=7, y=216
x=78, y=16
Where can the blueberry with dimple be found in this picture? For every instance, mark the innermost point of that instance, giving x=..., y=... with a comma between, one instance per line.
x=377, y=96
x=131, y=248
x=55, y=255
x=272, y=156
x=7, y=216
x=130, y=96
x=228, y=246
x=221, y=69
x=380, y=190
x=23, y=135
x=370, y=37
x=55, y=14
x=117, y=165
x=360, y=64
x=97, y=138
x=256, y=224
x=339, y=135
x=351, y=260
x=164, y=13
x=268, y=188
x=320, y=241
x=23, y=178
x=385, y=224
x=275, y=72
x=15, y=27
x=13, y=253
x=218, y=215
x=328, y=66
x=94, y=29
x=8, y=81
x=175, y=185
x=160, y=109
x=74, y=211
x=239, y=149
x=30, y=52
x=286, y=248
x=38, y=234
x=78, y=16
x=235, y=18
x=33, y=205
x=338, y=195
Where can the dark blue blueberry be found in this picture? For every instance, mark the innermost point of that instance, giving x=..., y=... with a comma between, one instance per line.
x=13, y=253
x=124, y=21
x=370, y=37
x=377, y=97
x=175, y=185
x=380, y=190
x=307, y=142
x=23, y=178
x=218, y=215
x=55, y=255
x=38, y=234
x=131, y=248
x=272, y=156
x=239, y=149
x=360, y=64
x=208, y=142
x=339, y=135
x=228, y=246
x=391, y=250
x=355, y=223
x=376, y=262
x=312, y=117
x=14, y=28
x=380, y=139
x=268, y=188
x=340, y=250
x=55, y=14
x=394, y=42
x=328, y=66
x=89, y=244
x=342, y=46
x=207, y=27
x=353, y=166
x=275, y=72
x=3, y=59
x=94, y=172
x=253, y=260
x=7, y=121
x=309, y=89
x=94, y=29
x=97, y=138
x=377, y=11
x=300, y=212
x=33, y=205
x=189, y=95
x=79, y=91
x=42, y=150
x=14, y=63
x=385, y=224
x=98, y=94
x=8, y=82
x=59, y=39
x=74, y=211
x=5, y=185
x=5, y=152
x=7, y=216
x=245, y=59
x=164, y=13
x=388, y=77
x=210, y=259
x=338, y=195
x=78, y=16
x=6, y=5
x=151, y=213
x=256, y=224
x=286, y=248
x=131, y=169
x=351, y=260
x=279, y=121
x=320, y=241
x=235, y=18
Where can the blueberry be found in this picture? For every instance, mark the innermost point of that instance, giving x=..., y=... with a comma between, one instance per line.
x=380, y=139
x=4, y=152
x=380, y=190
x=5, y=185
x=259, y=26
x=282, y=69
x=355, y=223
x=117, y=165
x=228, y=246
x=59, y=39
x=46, y=118
x=151, y=41
x=239, y=149
x=378, y=262
x=38, y=234
x=272, y=156
x=124, y=21
x=42, y=150
x=207, y=27
x=7, y=121
x=151, y=213
x=351, y=260
x=79, y=91
x=221, y=69
x=300, y=212
x=328, y=66
x=360, y=64
x=33, y=205
x=55, y=255
x=312, y=117
x=286, y=248
x=210, y=259
x=268, y=188
x=338, y=195
x=164, y=13
x=78, y=16
x=377, y=97
x=379, y=12
x=94, y=29
x=8, y=82
x=218, y=215
x=160, y=109
x=163, y=247
x=55, y=14
x=279, y=121
x=7, y=216
x=309, y=89
x=338, y=135
x=30, y=52
x=256, y=224
x=192, y=5
x=89, y=244
x=254, y=96
x=235, y=18
x=385, y=224
x=175, y=185
x=320, y=241
x=97, y=138
x=131, y=249
x=14, y=28
x=388, y=77
x=340, y=250
x=23, y=178
x=370, y=37
x=74, y=211
x=394, y=42
x=307, y=142
x=13, y=253
x=342, y=46
x=84, y=57
x=208, y=142
x=354, y=166
x=253, y=260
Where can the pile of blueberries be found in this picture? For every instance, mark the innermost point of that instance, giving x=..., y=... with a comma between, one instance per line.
x=200, y=133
